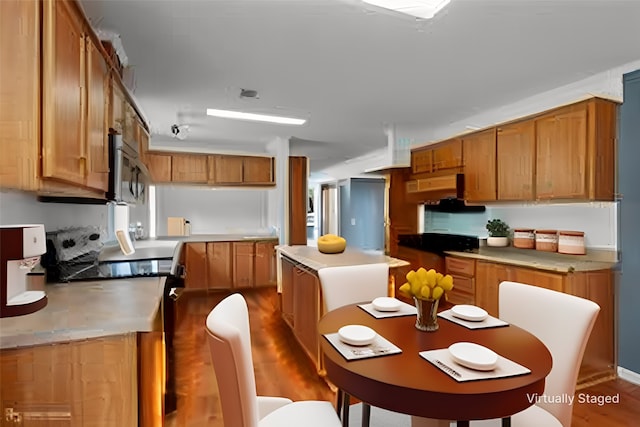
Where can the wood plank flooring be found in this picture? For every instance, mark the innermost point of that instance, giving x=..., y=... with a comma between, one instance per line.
x=282, y=369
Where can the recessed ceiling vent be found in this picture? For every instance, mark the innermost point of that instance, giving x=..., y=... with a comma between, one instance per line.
x=249, y=93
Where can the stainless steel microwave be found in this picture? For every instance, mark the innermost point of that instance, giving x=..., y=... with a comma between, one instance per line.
x=128, y=176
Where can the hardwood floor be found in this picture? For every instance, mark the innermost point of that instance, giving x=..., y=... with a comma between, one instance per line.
x=282, y=369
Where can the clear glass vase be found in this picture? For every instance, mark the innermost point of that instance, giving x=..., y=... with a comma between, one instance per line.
x=427, y=317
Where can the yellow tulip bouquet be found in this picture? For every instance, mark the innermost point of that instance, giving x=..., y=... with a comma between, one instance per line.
x=426, y=285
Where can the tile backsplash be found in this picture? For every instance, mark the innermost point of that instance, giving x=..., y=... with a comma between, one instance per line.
x=598, y=220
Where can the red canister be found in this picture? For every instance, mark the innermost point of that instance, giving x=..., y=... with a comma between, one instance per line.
x=547, y=240
x=571, y=242
x=524, y=238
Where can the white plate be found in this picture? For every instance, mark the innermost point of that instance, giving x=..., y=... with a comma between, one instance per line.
x=386, y=304
x=357, y=334
x=469, y=312
x=473, y=356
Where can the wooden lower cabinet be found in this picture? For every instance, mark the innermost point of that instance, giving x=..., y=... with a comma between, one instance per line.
x=463, y=272
x=196, y=266
x=220, y=265
x=228, y=265
x=307, y=311
x=598, y=362
x=78, y=383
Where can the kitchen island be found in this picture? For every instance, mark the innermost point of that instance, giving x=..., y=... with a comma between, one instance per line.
x=92, y=356
x=300, y=293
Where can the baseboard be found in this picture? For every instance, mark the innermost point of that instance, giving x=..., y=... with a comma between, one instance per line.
x=627, y=375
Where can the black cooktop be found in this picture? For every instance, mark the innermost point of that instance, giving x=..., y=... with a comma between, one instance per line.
x=439, y=242
x=115, y=270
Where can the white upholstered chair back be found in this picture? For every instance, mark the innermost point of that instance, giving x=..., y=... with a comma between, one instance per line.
x=230, y=345
x=354, y=283
x=563, y=323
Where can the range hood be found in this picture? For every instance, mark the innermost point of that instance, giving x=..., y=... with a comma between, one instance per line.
x=453, y=205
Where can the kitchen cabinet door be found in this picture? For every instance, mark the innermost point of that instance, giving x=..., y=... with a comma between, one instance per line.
x=226, y=169
x=20, y=94
x=117, y=120
x=447, y=155
x=516, y=161
x=196, y=262
x=463, y=272
x=422, y=160
x=63, y=148
x=598, y=362
x=97, y=107
x=265, y=263
x=220, y=265
x=257, y=170
x=307, y=312
x=243, y=264
x=561, y=153
x=286, y=302
x=189, y=168
x=480, y=166
x=159, y=166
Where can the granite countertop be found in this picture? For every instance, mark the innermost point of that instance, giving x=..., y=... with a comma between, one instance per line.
x=550, y=261
x=85, y=310
x=315, y=260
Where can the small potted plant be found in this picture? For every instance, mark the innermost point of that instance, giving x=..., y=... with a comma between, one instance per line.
x=498, y=233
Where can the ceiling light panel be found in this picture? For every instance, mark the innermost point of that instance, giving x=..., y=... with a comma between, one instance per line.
x=229, y=114
x=424, y=9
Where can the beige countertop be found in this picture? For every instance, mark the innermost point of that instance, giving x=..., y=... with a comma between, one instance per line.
x=198, y=238
x=311, y=257
x=85, y=310
x=550, y=261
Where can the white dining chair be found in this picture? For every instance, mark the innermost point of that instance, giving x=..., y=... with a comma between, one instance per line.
x=563, y=323
x=346, y=285
x=229, y=341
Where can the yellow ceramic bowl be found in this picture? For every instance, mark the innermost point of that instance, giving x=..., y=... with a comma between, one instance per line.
x=331, y=244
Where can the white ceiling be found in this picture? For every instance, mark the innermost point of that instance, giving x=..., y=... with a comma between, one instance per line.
x=352, y=68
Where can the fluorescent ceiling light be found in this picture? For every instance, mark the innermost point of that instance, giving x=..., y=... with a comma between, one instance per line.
x=425, y=9
x=228, y=114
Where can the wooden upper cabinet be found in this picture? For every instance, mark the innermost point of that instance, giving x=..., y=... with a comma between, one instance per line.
x=562, y=154
x=480, y=166
x=422, y=160
x=516, y=160
x=438, y=157
x=159, y=166
x=447, y=155
x=257, y=170
x=189, y=168
x=225, y=169
x=129, y=127
x=575, y=152
x=118, y=109
x=64, y=155
x=20, y=94
x=97, y=107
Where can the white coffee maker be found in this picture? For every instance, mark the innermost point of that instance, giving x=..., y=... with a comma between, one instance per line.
x=20, y=250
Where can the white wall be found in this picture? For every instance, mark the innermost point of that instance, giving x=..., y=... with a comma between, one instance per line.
x=23, y=208
x=214, y=210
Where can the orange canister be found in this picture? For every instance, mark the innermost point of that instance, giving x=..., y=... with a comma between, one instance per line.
x=571, y=242
x=547, y=240
x=524, y=238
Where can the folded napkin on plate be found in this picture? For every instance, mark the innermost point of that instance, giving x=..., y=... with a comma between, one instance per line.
x=443, y=360
x=405, y=310
x=489, y=322
x=379, y=347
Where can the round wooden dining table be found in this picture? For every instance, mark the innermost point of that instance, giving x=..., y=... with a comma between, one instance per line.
x=409, y=384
